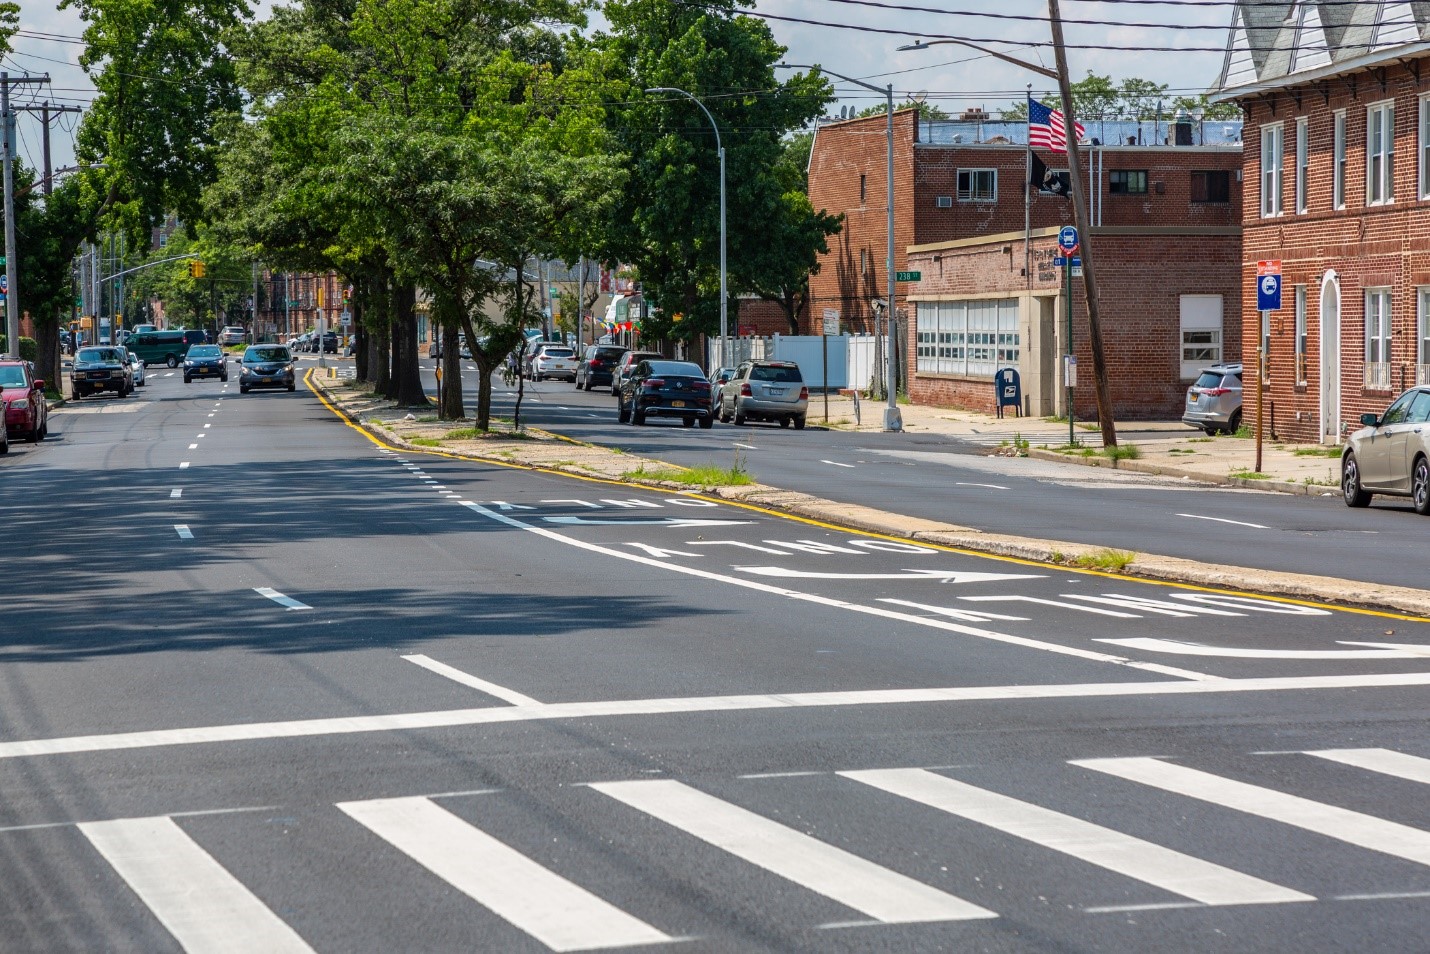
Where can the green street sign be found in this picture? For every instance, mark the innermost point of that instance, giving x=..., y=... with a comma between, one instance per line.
x=555, y=292
x=908, y=276
x=2, y=261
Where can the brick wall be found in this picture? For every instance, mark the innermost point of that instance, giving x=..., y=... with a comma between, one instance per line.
x=1365, y=246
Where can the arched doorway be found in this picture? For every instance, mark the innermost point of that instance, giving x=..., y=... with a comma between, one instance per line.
x=1330, y=358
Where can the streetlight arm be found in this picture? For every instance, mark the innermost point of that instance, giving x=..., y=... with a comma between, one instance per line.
x=56, y=174
x=1040, y=70
x=713, y=124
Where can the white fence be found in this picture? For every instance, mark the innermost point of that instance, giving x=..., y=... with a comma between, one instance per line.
x=851, y=357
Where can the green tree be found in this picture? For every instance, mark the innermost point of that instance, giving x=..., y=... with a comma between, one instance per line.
x=926, y=110
x=1190, y=104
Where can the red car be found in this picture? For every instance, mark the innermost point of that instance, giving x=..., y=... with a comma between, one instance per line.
x=23, y=397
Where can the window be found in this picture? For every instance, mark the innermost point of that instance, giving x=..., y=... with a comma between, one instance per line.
x=1338, y=160
x=1201, y=333
x=1425, y=146
x=1377, y=338
x=1422, y=350
x=1271, y=170
x=1127, y=182
x=978, y=185
x=863, y=181
x=1214, y=185
x=1303, y=162
x=1380, y=154
x=1300, y=334
x=943, y=201
x=968, y=338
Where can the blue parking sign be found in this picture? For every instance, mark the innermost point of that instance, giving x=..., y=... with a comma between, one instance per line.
x=1268, y=293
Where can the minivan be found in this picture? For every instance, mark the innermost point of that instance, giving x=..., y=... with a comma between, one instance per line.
x=167, y=347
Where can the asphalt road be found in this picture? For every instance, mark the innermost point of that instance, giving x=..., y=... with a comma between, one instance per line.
x=268, y=686
x=947, y=479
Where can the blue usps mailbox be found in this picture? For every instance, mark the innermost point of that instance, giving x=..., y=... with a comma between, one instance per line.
x=1009, y=390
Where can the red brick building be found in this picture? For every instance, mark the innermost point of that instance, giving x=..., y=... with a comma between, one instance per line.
x=1166, y=235
x=1337, y=171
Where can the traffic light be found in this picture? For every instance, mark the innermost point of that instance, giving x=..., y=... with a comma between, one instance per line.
x=196, y=269
x=347, y=295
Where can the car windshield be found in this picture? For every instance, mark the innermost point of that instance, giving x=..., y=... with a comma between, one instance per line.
x=266, y=354
x=769, y=373
x=98, y=354
x=205, y=351
x=677, y=368
x=12, y=376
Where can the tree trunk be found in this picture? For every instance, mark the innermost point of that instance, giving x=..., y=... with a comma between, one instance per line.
x=47, y=366
x=484, y=398
x=360, y=355
x=379, y=373
x=405, y=370
x=449, y=395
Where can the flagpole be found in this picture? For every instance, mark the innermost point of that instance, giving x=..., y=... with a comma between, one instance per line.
x=1028, y=202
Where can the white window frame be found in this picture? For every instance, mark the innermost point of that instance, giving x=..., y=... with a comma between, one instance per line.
x=1272, y=152
x=1201, y=319
x=974, y=193
x=1380, y=153
x=1338, y=159
x=1303, y=163
x=1377, y=338
x=1422, y=343
x=969, y=338
x=1300, y=297
x=1424, y=137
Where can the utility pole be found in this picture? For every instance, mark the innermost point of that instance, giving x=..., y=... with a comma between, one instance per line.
x=46, y=111
x=12, y=290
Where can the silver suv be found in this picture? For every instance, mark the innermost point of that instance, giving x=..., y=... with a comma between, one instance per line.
x=1214, y=400
x=765, y=391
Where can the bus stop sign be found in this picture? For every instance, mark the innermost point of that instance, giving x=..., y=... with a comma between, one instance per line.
x=1268, y=286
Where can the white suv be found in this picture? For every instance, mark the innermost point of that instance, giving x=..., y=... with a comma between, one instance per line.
x=232, y=335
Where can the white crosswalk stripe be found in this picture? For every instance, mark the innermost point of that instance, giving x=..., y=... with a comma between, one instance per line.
x=1365, y=831
x=206, y=909
x=880, y=893
x=562, y=915
x=1384, y=761
x=1167, y=869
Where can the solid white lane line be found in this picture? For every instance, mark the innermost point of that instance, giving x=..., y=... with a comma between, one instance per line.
x=836, y=463
x=184, y=465
x=558, y=913
x=1179, y=648
x=206, y=909
x=810, y=863
x=280, y=599
x=1342, y=824
x=176, y=493
x=182, y=529
x=962, y=483
x=1385, y=761
x=1162, y=867
x=1239, y=523
x=193, y=447
x=467, y=679
x=744, y=446
x=445, y=718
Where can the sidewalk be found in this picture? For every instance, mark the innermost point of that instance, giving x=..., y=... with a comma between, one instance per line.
x=1168, y=448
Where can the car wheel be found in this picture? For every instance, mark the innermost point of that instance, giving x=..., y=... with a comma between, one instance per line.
x=1234, y=423
x=623, y=414
x=784, y=422
x=688, y=421
x=44, y=430
x=171, y=361
x=739, y=416
x=243, y=389
x=724, y=415
x=1420, y=486
x=588, y=384
x=188, y=380
x=799, y=423
x=707, y=422
x=1351, y=490
x=292, y=387
x=4, y=443
x=36, y=435
x=637, y=416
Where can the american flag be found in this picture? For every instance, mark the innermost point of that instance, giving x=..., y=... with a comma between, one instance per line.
x=1045, y=127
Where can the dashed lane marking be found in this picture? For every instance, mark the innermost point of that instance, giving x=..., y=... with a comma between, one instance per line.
x=182, y=529
x=280, y=599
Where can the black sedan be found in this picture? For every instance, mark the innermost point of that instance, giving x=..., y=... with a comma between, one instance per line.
x=101, y=369
x=266, y=366
x=666, y=389
x=205, y=361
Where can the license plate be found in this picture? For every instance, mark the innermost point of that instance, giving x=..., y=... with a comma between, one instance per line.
x=267, y=380
x=677, y=404
x=777, y=391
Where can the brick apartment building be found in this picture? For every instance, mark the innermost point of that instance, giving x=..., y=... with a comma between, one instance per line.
x=1166, y=209
x=1337, y=168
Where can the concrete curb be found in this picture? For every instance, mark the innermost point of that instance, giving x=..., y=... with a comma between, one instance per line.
x=1056, y=553
x=1162, y=470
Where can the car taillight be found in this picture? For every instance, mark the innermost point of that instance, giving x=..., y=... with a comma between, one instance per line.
x=655, y=382
x=700, y=385
x=1216, y=392
x=804, y=394
x=595, y=362
x=745, y=390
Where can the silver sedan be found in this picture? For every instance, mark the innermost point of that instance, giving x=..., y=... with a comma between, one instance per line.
x=1391, y=454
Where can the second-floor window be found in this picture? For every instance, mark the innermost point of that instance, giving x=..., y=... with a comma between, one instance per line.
x=1338, y=160
x=1127, y=181
x=1271, y=143
x=1303, y=163
x=1212, y=185
x=978, y=185
x=1379, y=153
x=1425, y=146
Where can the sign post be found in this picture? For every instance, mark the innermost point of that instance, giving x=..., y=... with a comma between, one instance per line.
x=831, y=327
x=1067, y=246
x=1268, y=298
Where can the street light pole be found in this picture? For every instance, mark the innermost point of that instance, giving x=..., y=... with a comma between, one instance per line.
x=1080, y=216
x=893, y=420
x=724, y=318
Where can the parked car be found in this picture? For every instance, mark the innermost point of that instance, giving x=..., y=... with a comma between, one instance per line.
x=22, y=398
x=597, y=366
x=330, y=342
x=533, y=350
x=627, y=361
x=765, y=391
x=662, y=388
x=554, y=363
x=232, y=335
x=166, y=347
x=1391, y=454
x=266, y=366
x=205, y=361
x=100, y=368
x=136, y=367
x=1214, y=400
x=718, y=378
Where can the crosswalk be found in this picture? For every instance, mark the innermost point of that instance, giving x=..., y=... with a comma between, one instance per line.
x=456, y=840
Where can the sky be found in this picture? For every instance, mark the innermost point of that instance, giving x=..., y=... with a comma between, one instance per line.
x=1178, y=44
